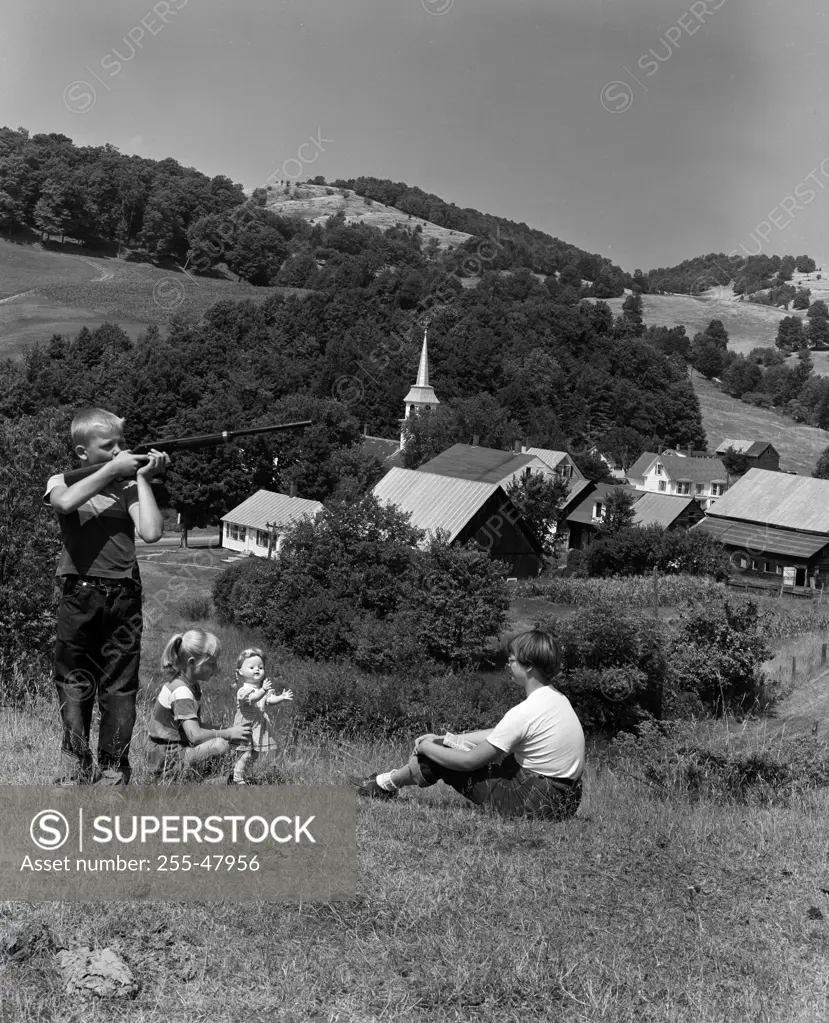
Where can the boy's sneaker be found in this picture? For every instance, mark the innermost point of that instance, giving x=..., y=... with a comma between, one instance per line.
x=369, y=789
x=112, y=776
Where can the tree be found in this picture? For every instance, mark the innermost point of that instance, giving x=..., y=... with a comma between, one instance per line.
x=805, y=264
x=624, y=444
x=818, y=333
x=735, y=463
x=801, y=299
x=818, y=310
x=716, y=332
x=540, y=498
x=821, y=470
x=790, y=334
x=618, y=510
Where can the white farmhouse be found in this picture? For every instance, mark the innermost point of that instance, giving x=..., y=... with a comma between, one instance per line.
x=256, y=526
x=704, y=479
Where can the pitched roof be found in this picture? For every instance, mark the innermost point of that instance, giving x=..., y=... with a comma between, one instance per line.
x=266, y=506
x=777, y=499
x=583, y=512
x=659, y=509
x=380, y=447
x=753, y=448
x=471, y=462
x=552, y=458
x=435, y=501
x=762, y=539
x=641, y=465
x=576, y=492
x=695, y=470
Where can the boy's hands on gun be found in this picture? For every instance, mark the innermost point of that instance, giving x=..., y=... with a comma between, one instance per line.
x=127, y=464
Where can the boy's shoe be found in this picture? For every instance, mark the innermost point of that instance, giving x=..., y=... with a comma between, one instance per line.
x=112, y=776
x=369, y=789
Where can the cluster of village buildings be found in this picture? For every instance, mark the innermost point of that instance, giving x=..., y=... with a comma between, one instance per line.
x=774, y=524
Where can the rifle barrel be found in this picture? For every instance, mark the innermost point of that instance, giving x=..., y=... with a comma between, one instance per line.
x=205, y=440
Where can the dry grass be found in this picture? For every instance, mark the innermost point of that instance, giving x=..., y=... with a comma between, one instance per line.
x=312, y=203
x=644, y=908
x=722, y=416
x=61, y=293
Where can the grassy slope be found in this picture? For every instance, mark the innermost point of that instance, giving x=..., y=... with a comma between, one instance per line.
x=722, y=416
x=644, y=908
x=312, y=203
x=48, y=292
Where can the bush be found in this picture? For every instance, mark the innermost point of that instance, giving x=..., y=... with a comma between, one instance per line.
x=196, y=609
x=635, y=550
x=717, y=652
x=31, y=449
x=677, y=757
x=353, y=584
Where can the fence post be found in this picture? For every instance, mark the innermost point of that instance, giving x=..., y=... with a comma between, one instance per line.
x=655, y=592
x=794, y=666
x=823, y=655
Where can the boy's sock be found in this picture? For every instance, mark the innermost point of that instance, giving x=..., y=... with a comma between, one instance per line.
x=393, y=780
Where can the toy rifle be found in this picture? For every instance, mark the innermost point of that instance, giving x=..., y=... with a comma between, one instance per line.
x=206, y=440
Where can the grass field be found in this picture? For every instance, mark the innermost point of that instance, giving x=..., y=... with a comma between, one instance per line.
x=646, y=907
x=799, y=446
x=314, y=204
x=43, y=293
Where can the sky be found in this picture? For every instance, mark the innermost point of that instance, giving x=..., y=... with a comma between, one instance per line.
x=649, y=131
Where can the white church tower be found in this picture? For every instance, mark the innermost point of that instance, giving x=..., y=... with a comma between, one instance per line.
x=421, y=394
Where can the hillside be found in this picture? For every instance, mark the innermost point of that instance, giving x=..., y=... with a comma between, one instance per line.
x=722, y=416
x=316, y=203
x=748, y=324
x=45, y=292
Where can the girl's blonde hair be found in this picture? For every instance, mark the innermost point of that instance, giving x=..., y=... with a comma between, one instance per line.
x=250, y=651
x=193, y=643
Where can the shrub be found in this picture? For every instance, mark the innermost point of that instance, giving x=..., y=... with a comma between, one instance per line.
x=717, y=652
x=196, y=609
x=677, y=757
x=636, y=550
x=31, y=449
x=353, y=583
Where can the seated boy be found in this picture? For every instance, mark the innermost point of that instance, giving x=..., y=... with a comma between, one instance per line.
x=529, y=765
x=99, y=617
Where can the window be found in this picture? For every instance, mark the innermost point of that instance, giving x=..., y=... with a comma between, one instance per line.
x=700, y=487
x=717, y=489
x=235, y=532
x=768, y=566
x=756, y=565
x=742, y=561
x=658, y=468
x=683, y=488
x=598, y=510
x=778, y=569
x=662, y=484
x=262, y=537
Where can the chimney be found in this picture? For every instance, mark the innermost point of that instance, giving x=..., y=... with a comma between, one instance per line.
x=475, y=440
x=516, y=447
x=292, y=490
x=690, y=450
x=365, y=429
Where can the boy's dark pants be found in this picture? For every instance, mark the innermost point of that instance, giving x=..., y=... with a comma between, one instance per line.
x=97, y=654
x=506, y=788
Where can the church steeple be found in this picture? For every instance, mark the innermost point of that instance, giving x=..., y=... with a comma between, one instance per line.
x=421, y=394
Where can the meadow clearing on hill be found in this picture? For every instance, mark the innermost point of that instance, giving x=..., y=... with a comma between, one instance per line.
x=748, y=324
x=799, y=446
x=650, y=905
x=44, y=293
x=314, y=204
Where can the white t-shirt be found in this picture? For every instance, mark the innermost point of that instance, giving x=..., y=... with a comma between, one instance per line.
x=543, y=734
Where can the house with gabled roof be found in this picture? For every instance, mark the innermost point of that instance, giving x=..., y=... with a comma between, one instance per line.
x=467, y=510
x=774, y=525
x=559, y=461
x=760, y=454
x=704, y=479
x=257, y=525
x=485, y=465
x=649, y=509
